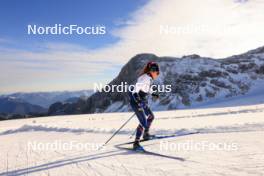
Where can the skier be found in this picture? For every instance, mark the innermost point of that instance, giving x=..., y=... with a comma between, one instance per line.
x=139, y=104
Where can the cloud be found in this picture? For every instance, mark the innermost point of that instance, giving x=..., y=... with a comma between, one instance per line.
x=213, y=28
x=54, y=67
x=226, y=24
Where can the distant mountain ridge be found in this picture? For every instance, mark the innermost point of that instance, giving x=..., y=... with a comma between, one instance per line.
x=12, y=106
x=45, y=99
x=23, y=105
x=194, y=80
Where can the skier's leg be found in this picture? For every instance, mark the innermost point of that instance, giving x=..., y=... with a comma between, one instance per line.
x=143, y=124
x=150, y=118
x=139, y=132
x=139, y=113
x=142, y=119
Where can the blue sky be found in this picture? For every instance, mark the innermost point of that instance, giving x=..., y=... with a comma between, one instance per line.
x=15, y=15
x=31, y=63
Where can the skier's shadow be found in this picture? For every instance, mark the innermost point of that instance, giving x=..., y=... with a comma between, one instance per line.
x=63, y=162
x=79, y=159
x=151, y=153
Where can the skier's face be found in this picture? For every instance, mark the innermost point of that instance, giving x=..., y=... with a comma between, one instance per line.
x=154, y=74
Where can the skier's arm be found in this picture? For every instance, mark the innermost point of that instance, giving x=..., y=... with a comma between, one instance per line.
x=141, y=88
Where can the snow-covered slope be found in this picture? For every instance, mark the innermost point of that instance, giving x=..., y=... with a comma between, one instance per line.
x=230, y=141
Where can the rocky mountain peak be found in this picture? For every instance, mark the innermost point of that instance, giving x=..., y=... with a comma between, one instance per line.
x=194, y=80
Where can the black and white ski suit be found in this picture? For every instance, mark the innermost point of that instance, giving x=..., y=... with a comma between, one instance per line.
x=139, y=103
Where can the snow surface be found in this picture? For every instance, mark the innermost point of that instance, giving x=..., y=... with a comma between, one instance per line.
x=241, y=125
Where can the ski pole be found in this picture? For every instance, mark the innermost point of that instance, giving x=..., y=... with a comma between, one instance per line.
x=117, y=131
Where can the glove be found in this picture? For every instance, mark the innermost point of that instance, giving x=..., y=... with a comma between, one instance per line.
x=155, y=95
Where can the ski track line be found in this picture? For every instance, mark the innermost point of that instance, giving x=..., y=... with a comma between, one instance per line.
x=49, y=165
x=184, y=164
x=68, y=156
x=123, y=166
x=27, y=128
x=64, y=162
x=81, y=169
x=7, y=163
x=244, y=111
x=231, y=128
x=96, y=172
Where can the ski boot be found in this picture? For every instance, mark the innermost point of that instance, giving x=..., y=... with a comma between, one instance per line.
x=147, y=136
x=137, y=146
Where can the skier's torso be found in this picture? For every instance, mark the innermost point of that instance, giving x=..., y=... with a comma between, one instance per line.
x=143, y=86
